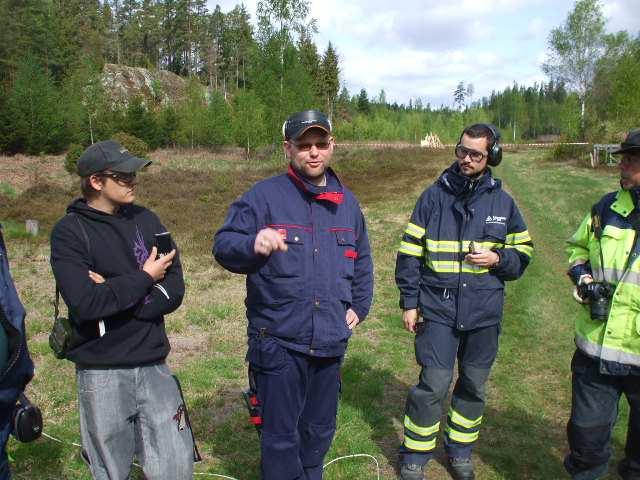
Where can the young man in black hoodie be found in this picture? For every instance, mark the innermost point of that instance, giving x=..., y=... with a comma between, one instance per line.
x=117, y=291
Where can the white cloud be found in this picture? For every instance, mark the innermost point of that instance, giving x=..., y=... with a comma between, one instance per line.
x=622, y=15
x=423, y=48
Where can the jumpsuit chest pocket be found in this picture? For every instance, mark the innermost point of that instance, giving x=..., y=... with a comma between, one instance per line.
x=346, y=252
x=290, y=263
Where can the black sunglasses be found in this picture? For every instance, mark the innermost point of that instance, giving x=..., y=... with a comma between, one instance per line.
x=305, y=147
x=119, y=177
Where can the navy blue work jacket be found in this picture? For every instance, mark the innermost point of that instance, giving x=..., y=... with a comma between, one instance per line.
x=300, y=296
x=452, y=216
x=19, y=368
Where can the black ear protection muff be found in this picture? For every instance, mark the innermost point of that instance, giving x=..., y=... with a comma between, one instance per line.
x=27, y=420
x=495, y=150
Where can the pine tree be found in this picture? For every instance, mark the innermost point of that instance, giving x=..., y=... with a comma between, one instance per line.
x=330, y=78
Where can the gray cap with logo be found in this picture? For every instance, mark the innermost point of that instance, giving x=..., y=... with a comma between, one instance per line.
x=109, y=155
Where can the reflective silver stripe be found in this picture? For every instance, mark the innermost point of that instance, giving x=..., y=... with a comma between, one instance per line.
x=454, y=246
x=606, y=353
x=616, y=275
x=411, y=249
x=464, y=421
x=526, y=249
x=449, y=266
x=415, y=231
x=461, y=437
x=521, y=237
x=422, y=431
x=418, y=445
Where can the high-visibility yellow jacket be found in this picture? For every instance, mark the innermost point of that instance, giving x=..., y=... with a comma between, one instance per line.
x=616, y=342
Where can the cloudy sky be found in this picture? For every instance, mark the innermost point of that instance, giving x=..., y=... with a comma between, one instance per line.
x=424, y=48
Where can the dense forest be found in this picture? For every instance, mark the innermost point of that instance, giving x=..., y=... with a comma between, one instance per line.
x=243, y=77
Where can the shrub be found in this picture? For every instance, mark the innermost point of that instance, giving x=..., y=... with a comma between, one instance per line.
x=71, y=159
x=563, y=152
x=136, y=146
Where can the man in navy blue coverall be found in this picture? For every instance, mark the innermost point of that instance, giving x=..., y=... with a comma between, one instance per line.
x=301, y=239
x=16, y=366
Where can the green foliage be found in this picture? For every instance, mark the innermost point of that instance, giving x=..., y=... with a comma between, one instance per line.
x=141, y=123
x=563, y=153
x=72, y=156
x=7, y=190
x=33, y=112
x=52, y=54
x=136, y=146
x=248, y=121
x=219, y=121
x=168, y=123
x=363, y=102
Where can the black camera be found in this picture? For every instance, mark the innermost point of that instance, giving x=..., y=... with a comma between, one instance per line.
x=599, y=295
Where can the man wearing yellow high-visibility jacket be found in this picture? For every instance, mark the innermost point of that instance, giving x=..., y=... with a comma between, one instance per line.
x=466, y=237
x=603, y=254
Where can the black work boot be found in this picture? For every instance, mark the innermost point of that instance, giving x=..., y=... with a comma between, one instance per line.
x=411, y=471
x=461, y=468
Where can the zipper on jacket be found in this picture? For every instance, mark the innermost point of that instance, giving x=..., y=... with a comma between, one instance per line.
x=12, y=333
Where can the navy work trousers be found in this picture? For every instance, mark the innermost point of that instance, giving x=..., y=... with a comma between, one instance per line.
x=437, y=348
x=594, y=411
x=299, y=398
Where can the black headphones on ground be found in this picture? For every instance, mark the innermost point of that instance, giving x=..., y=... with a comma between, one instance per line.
x=27, y=420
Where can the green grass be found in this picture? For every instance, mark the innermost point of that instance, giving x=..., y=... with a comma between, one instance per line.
x=529, y=391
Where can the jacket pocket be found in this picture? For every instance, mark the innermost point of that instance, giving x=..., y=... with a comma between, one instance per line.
x=266, y=355
x=495, y=233
x=346, y=252
x=290, y=263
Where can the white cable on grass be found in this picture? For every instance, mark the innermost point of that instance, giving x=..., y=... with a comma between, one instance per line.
x=215, y=475
x=134, y=464
x=353, y=456
x=60, y=441
x=44, y=434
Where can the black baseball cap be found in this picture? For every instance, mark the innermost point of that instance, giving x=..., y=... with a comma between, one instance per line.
x=631, y=143
x=109, y=155
x=300, y=122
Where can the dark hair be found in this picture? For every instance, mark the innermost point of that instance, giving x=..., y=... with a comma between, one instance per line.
x=480, y=130
x=88, y=192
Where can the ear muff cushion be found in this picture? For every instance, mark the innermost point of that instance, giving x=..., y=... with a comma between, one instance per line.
x=495, y=152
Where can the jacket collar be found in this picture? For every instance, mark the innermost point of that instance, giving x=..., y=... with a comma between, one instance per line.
x=332, y=192
x=461, y=185
x=624, y=204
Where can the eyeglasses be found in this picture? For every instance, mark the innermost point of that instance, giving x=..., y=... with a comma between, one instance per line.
x=124, y=179
x=462, y=152
x=305, y=147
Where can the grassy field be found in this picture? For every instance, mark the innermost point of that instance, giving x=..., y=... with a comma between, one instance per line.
x=529, y=392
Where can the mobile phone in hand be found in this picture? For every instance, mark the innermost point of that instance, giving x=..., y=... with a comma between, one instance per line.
x=472, y=247
x=163, y=243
